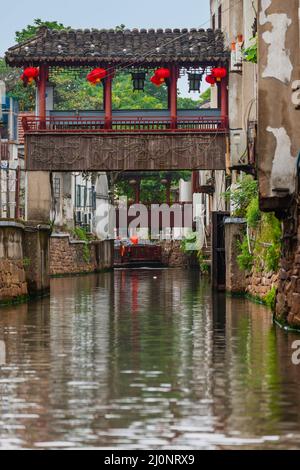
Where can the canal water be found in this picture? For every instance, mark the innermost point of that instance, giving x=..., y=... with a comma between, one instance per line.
x=145, y=359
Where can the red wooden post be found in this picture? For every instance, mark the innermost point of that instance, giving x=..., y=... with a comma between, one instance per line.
x=42, y=84
x=108, y=100
x=224, y=101
x=173, y=96
x=195, y=182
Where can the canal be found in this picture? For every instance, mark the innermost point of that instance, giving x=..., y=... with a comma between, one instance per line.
x=145, y=359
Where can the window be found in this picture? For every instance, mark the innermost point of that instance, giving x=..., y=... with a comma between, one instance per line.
x=56, y=188
x=78, y=195
x=220, y=17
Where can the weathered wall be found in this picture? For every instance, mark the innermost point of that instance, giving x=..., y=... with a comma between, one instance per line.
x=12, y=273
x=279, y=136
x=73, y=257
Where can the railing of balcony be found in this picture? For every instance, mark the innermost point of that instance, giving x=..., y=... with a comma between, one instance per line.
x=128, y=124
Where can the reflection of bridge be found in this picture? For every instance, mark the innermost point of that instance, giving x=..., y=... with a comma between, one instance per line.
x=126, y=140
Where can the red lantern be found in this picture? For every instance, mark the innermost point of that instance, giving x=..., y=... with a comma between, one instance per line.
x=219, y=73
x=211, y=80
x=96, y=75
x=160, y=76
x=163, y=73
x=157, y=81
x=29, y=75
x=134, y=240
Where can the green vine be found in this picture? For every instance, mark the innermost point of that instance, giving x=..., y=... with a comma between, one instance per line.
x=251, y=52
x=81, y=234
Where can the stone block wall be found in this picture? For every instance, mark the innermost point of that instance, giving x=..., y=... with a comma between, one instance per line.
x=288, y=297
x=255, y=283
x=174, y=257
x=259, y=284
x=69, y=256
x=13, y=283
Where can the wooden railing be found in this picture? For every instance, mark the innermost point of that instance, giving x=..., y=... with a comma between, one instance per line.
x=126, y=124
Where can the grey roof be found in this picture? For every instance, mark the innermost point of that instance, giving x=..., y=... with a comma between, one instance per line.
x=143, y=46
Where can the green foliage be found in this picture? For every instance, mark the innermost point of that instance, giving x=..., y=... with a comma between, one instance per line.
x=81, y=234
x=251, y=53
x=31, y=30
x=204, y=266
x=152, y=190
x=242, y=195
x=270, y=298
x=253, y=213
x=261, y=247
x=245, y=258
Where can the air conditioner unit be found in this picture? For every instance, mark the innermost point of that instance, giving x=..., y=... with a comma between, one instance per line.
x=238, y=148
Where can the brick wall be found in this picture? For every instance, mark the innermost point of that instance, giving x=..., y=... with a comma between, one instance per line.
x=72, y=257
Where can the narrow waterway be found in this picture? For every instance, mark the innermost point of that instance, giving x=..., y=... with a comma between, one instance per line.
x=145, y=359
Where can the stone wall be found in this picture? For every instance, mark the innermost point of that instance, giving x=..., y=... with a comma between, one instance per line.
x=69, y=256
x=288, y=297
x=174, y=257
x=257, y=283
x=12, y=273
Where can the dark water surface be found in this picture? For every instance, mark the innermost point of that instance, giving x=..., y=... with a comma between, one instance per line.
x=146, y=360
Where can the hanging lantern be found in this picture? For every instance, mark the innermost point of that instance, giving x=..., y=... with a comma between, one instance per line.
x=163, y=73
x=211, y=80
x=96, y=76
x=160, y=76
x=195, y=80
x=30, y=75
x=157, y=81
x=138, y=80
x=219, y=73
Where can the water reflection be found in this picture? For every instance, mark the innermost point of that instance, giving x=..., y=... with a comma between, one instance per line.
x=146, y=359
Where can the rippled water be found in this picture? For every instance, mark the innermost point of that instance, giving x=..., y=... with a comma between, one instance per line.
x=145, y=360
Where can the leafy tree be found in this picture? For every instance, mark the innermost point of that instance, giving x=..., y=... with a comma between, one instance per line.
x=31, y=30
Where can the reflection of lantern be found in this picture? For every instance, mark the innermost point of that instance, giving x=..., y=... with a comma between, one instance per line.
x=195, y=81
x=164, y=181
x=96, y=75
x=211, y=80
x=29, y=75
x=219, y=73
x=132, y=182
x=138, y=79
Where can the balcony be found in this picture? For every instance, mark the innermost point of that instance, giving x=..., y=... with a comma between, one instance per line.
x=134, y=121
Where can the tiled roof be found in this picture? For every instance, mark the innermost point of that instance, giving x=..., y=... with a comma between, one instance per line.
x=120, y=47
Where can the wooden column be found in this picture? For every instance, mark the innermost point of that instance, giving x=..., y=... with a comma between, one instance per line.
x=224, y=100
x=42, y=84
x=195, y=181
x=108, y=100
x=173, y=96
